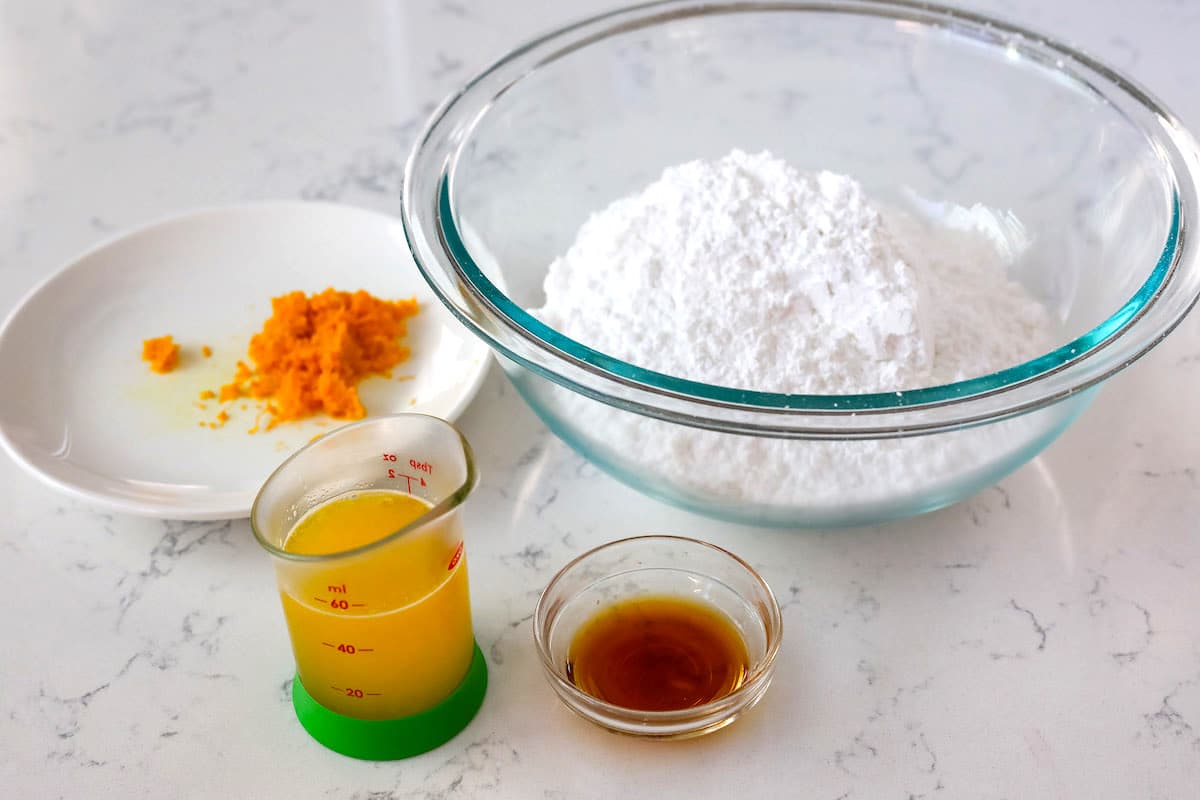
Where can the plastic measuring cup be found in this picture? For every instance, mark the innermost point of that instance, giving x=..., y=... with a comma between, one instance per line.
x=386, y=661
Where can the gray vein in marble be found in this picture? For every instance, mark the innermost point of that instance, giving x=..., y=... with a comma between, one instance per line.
x=531, y=454
x=1038, y=628
x=453, y=9
x=531, y=557
x=445, y=67
x=69, y=709
x=178, y=540
x=1101, y=603
x=478, y=767
x=541, y=507
x=868, y=672
x=285, y=691
x=95, y=44
x=1188, y=473
x=954, y=569
x=1129, y=656
x=882, y=709
x=1131, y=53
x=859, y=749
x=1168, y=723
x=208, y=641
x=940, y=145
x=502, y=159
x=992, y=500
x=24, y=129
x=496, y=649
x=585, y=470
x=369, y=171
x=926, y=752
x=169, y=114
x=794, y=590
x=865, y=753
x=865, y=604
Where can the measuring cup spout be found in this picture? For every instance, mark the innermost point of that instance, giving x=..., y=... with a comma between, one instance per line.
x=417, y=454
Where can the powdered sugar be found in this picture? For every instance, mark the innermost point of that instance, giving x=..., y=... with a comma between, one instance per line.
x=744, y=272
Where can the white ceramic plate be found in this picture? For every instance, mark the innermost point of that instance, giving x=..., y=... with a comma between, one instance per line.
x=83, y=412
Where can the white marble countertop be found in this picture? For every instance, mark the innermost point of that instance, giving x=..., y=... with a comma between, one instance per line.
x=1041, y=640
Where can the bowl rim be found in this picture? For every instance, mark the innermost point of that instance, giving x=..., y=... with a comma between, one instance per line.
x=1046, y=379
x=762, y=670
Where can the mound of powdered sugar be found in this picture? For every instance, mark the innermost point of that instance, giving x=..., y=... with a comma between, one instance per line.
x=744, y=272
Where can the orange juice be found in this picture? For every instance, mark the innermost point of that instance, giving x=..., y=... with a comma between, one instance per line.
x=385, y=633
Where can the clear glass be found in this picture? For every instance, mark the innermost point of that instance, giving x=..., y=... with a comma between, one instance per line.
x=926, y=106
x=384, y=630
x=659, y=565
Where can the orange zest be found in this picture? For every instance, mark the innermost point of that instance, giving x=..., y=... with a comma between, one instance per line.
x=161, y=352
x=312, y=352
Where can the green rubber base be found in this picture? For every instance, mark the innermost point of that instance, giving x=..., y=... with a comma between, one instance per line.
x=389, y=739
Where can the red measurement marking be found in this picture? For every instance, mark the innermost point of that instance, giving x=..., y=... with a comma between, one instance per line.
x=374, y=694
x=389, y=456
x=327, y=644
x=408, y=479
x=353, y=692
x=422, y=466
x=358, y=605
x=366, y=649
x=320, y=600
x=335, y=688
x=342, y=604
x=454, y=559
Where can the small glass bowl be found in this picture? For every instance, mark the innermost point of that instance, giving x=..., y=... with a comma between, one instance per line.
x=659, y=565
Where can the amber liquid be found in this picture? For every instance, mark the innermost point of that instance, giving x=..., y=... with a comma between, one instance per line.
x=658, y=653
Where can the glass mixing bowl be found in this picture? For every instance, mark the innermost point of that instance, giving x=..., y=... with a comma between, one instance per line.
x=929, y=108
